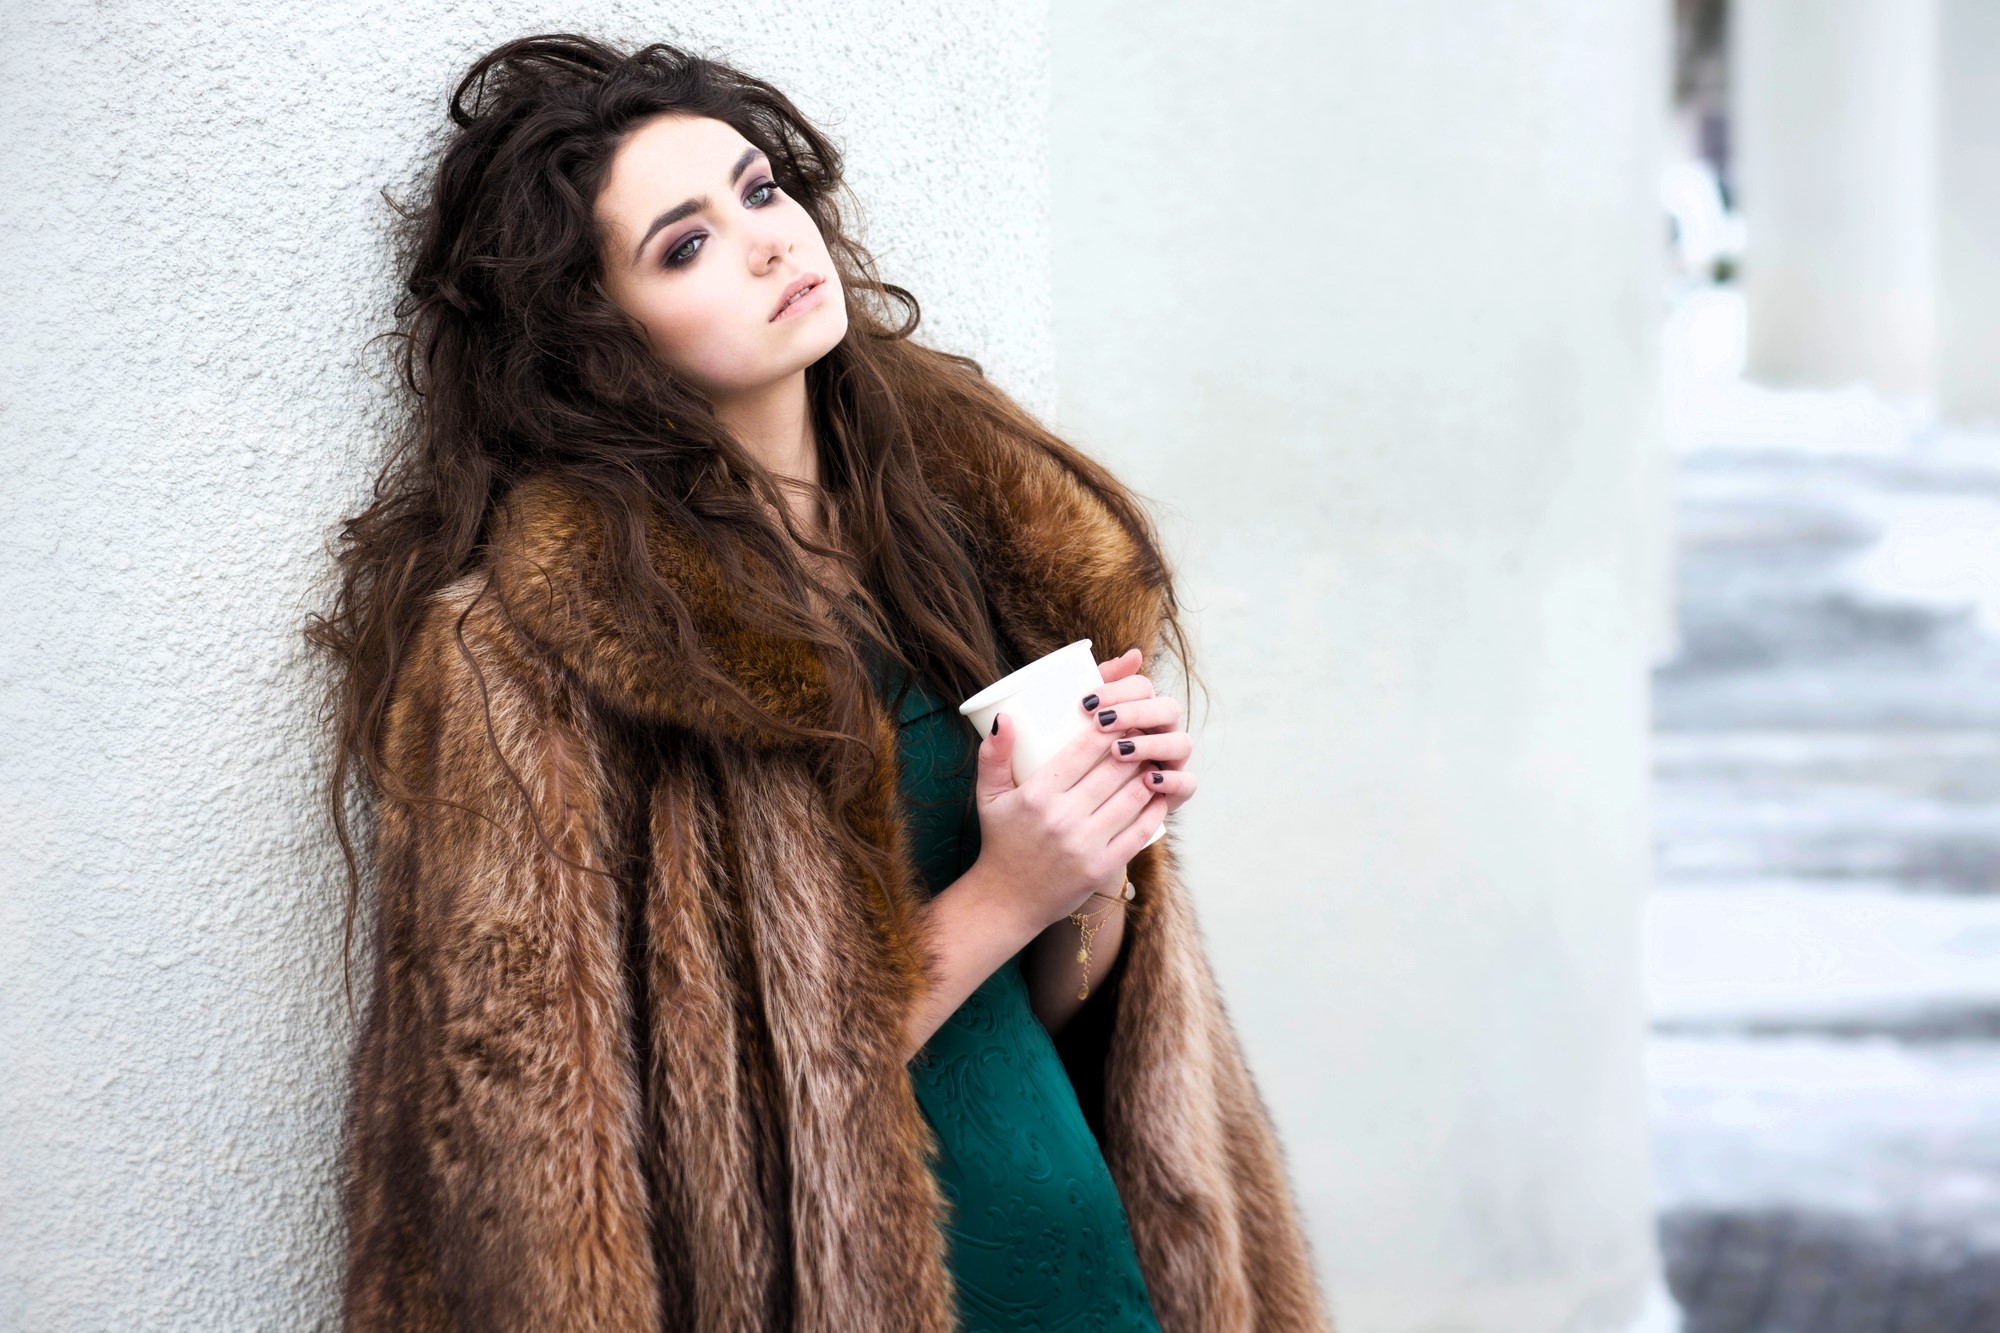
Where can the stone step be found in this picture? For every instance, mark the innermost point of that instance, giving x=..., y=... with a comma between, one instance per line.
x=1920, y=807
x=1780, y=956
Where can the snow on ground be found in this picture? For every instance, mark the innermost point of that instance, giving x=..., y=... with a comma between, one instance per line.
x=1823, y=948
x=1872, y=1129
x=1780, y=956
x=1893, y=808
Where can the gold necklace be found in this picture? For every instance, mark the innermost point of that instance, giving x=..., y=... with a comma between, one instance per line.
x=1087, y=927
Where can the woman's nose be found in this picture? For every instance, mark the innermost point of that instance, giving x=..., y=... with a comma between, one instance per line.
x=770, y=249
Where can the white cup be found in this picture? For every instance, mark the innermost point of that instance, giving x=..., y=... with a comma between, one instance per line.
x=1044, y=699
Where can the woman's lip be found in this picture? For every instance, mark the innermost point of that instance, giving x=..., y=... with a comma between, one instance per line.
x=810, y=297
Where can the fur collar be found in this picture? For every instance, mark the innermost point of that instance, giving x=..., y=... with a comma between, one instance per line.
x=1058, y=564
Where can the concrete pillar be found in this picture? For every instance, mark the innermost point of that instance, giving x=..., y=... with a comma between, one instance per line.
x=1969, y=211
x=1836, y=136
x=1365, y=296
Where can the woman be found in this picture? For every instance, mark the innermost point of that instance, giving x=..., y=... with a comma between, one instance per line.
x=720, y=967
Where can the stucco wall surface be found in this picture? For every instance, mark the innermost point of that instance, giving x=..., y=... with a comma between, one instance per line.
x=1364, y=296
x=195, y=258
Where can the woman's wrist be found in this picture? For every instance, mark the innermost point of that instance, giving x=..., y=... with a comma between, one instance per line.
x=999, y=903
x=1059, y=983
x=972, y=926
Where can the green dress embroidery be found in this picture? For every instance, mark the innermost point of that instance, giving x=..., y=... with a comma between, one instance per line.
x=1039, y=1238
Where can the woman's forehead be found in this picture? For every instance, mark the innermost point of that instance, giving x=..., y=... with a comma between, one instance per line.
x=682, y=155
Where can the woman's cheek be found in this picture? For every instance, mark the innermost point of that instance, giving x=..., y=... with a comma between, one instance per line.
x=696, y=346
x=723, y=363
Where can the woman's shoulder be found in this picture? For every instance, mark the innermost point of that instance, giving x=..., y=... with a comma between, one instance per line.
x=463, y=652
x=510, y=622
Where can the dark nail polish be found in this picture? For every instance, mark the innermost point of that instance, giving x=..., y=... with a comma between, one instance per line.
x=1158, y=777
x=1126, y=747
x=996, y=726
x=1107, y=717
x=1089, y=702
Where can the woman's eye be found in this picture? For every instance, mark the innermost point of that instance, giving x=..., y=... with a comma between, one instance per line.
x=683, y=252
x=689, y=248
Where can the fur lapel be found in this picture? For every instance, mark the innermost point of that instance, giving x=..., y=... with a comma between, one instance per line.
x=1059, y=565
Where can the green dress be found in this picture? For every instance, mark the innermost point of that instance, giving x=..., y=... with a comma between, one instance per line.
x=1038, y=1235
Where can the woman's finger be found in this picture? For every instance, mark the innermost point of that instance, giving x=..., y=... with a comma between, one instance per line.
x=1136, y=834
x=1169, y=748
x=1176, y=784
x=1119, y=667
x=1115, y=692
x=1157, y=711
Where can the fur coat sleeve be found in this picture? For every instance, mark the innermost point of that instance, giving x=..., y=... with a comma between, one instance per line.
x=495, y=1178
x=632, y=1054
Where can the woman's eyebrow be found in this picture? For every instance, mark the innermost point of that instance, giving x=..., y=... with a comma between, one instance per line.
x=694, y=205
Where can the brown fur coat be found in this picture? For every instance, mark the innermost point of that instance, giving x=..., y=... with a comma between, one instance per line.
x=671, y=1097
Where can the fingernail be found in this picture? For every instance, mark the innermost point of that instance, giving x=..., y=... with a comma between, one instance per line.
x=1158, y=777
x=996, y=726
x=1107, y=717
x=1126, y=747
x=1089, y=702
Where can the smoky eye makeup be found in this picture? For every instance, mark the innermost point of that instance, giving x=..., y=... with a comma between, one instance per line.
x=678, y=255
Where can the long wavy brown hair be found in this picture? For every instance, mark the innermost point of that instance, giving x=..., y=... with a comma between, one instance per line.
x=512, y=361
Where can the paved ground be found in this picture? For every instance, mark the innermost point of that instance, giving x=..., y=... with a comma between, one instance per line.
x=1824, y=943
x=1780, y=1271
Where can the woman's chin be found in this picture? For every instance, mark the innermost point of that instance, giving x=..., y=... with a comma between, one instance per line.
x=825, y=335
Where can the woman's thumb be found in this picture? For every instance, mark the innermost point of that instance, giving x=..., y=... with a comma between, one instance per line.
x=996, y=757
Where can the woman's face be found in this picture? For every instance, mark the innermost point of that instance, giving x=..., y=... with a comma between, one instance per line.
x=702, y=247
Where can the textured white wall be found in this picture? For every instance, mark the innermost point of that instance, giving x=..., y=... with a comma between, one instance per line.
x=1366, y=294
x=194, y=258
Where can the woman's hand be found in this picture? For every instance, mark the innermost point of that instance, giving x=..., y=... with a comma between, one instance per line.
x=1150, y=724
x=1068, y=831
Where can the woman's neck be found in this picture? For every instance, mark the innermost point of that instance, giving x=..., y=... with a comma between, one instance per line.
x=774, y=427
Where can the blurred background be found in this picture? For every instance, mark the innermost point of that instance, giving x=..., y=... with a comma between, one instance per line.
x=1824, y=935
x=1577, y=426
